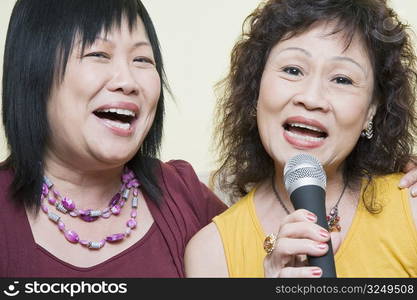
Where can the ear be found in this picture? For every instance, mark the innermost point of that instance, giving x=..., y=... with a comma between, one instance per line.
x=370, y=115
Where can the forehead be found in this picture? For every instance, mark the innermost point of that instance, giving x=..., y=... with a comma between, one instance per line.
x=134, y=29
x=83, y=36
x=324, y=39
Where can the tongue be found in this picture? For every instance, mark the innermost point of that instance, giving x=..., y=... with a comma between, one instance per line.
x=304, y=131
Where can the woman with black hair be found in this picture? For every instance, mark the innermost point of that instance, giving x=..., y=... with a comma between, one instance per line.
x=335, y=79
x=82, y=193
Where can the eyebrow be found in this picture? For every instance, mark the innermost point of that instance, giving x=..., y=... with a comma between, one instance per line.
x=336, y=58
x=296, y=49
x=343, y=58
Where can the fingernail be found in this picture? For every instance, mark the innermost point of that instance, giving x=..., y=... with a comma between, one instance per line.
x=403, y=183
x=321, y=246
x=414, y=192
x=324, y=233
x=316, y=272
x=311, y=217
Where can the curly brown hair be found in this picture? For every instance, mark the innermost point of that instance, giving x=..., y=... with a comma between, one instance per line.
x=243, y=160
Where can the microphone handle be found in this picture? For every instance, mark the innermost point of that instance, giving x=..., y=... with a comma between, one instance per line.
x=312, y=198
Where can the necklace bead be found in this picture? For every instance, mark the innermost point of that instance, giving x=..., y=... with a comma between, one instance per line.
x=95, y=245
x=53, y=217
x=106, y=214
x=66, y=205
x=71, y=236
x=115, y=210
x=131, y=223
x=95, y=213
x=135, y=202
x=61, y=208
x=115, y=237
x=126, y=193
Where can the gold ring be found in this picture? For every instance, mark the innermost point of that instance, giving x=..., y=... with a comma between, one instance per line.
x=269, y=243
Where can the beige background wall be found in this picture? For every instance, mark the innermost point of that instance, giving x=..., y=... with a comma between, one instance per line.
x=196, y=38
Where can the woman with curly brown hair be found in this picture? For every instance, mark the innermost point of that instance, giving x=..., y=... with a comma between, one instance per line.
x=334, y=79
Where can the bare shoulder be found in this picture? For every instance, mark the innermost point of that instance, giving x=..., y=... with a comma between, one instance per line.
x=204, y=254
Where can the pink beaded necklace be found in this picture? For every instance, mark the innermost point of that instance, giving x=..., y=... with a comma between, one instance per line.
x=65, y=205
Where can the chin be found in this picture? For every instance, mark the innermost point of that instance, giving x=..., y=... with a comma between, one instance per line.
x=115, y=155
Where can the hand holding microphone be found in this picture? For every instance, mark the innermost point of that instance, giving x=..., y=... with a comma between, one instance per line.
x=305, y=231
x=305, y=181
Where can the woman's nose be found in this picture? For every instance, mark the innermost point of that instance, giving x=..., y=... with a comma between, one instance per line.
x=123, y=81
x=312, y=95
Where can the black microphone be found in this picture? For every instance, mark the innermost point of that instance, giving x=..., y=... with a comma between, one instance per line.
x=305, y=181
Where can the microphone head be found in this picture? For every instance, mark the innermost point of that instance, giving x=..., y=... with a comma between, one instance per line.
x=302, y=170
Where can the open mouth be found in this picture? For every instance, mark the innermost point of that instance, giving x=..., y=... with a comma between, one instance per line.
x=305, y=132
x=120, y=118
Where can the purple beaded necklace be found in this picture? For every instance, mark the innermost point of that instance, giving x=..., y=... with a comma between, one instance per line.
x=65, y=205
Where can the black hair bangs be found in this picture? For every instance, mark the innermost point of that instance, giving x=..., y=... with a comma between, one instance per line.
x=82, y=22
x=40, y=39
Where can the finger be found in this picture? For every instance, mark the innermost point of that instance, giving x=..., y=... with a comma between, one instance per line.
x=305, y=230
x=413, y=190
x=409, y=179
x=303, y=272
x=287, y=247
x=300, y=215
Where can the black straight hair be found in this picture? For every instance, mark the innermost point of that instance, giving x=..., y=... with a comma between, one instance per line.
x=40, y=38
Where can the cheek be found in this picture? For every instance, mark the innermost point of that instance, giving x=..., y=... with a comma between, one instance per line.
x=82, y=77
x=151, y=89
x=269, y=110
x=80, y=85
x=67, y=106
x=352, y=116
x=274, y=95
x=56, y=105
x=351, y=109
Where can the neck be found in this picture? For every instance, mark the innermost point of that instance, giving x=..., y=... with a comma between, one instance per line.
x=86, y=187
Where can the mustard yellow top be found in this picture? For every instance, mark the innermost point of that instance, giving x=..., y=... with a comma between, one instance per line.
x=376, y=245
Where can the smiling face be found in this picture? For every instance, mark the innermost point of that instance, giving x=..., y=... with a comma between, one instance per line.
x=315, y=97
x=103, y=109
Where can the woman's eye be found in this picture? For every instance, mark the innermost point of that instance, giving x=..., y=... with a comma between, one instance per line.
x=144, y=60
x=292, y=71
x=97, y=54
x=343, y=80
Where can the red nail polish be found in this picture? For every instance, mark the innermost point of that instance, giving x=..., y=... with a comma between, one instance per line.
x=316, y=272
x=324, y=233
x=311, y=217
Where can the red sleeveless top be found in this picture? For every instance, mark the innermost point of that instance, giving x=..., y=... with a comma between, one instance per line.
x=188, y=205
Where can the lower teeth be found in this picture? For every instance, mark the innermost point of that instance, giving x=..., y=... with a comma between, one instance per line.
x=118, y=124
x=304, y=137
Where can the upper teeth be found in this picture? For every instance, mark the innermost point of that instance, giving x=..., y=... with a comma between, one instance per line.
x=119, y=111
x=300, y=125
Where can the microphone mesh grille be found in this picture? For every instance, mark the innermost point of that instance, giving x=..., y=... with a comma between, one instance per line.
x=303, y=166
